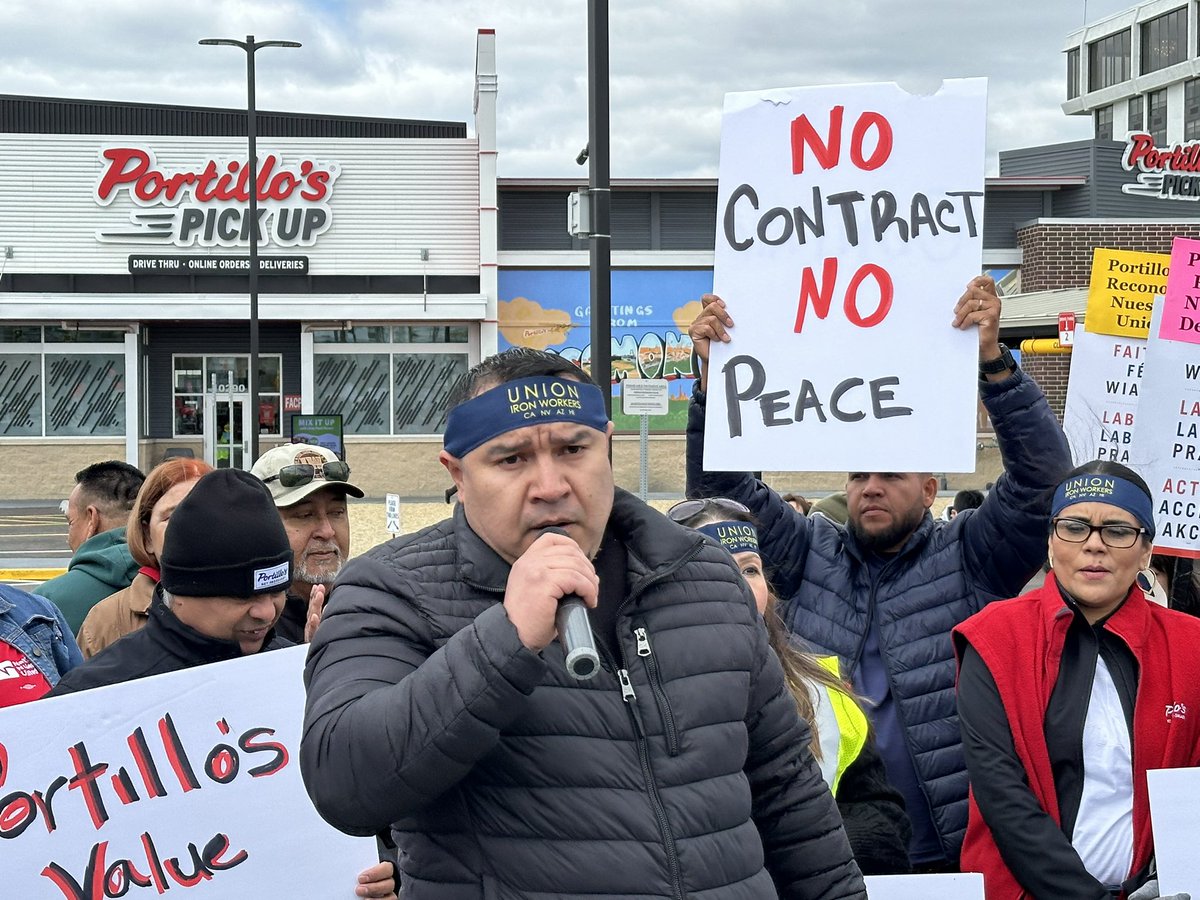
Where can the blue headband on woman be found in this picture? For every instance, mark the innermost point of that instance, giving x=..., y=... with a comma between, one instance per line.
x=1109, y=489
x=736, y=537
x=543, y=400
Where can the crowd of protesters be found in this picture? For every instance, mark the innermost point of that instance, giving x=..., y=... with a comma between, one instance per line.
x=789, y=696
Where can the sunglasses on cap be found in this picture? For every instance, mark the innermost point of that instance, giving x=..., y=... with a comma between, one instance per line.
x=303, y=473
x=685, y=509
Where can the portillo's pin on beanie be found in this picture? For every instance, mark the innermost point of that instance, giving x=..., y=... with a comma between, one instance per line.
x=226, y=540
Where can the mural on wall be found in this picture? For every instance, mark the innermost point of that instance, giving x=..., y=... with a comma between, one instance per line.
x=548, y=309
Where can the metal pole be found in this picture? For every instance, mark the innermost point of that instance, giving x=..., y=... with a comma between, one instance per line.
x=644, y=474
x=600, y=242
x=252, y=133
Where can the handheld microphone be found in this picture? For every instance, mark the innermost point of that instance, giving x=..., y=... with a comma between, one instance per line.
x=575, y=631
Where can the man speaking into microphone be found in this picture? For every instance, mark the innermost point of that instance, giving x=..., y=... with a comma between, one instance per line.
x=440, y=705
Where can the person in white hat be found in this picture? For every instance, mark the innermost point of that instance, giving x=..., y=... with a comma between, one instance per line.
x=310, y=486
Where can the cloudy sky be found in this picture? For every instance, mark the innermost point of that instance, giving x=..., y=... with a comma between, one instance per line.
x=671, y=62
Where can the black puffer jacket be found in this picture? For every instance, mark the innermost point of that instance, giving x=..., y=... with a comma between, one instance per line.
x=165, y=644
x=504, y=779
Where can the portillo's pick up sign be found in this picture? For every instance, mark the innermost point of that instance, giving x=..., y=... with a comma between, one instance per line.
x=1164, y=173
x=205, y=204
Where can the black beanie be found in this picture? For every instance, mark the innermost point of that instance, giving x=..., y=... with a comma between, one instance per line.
x=226, y=540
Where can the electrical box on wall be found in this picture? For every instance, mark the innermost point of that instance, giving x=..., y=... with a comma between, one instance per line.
x=579, y=214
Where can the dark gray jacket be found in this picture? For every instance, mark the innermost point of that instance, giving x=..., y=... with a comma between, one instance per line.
x=504, y=779
x=946, y=572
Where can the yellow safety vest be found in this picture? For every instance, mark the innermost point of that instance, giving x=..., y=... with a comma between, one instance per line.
x=851, y=722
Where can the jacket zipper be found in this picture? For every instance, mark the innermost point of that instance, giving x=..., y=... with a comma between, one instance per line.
x=660, y=813
x=887, y=673
x=629, y=696
x=660, y=694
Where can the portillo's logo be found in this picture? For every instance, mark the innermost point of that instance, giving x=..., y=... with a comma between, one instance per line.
x=1164, y=173
x=205, y=204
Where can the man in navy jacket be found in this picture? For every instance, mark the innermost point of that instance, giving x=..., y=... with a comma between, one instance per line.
x=884, y=591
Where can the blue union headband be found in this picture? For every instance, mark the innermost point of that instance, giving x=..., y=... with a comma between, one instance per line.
x=736, y=537
x=1105, y=489
x=517, y=404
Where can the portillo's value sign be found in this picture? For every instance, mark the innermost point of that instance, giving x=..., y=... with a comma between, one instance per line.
x=205, y=204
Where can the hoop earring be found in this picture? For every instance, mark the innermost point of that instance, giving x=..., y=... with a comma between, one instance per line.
x=1146, y=580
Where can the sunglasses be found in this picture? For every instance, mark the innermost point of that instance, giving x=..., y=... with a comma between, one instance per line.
x=686, y=509
x=302, y=473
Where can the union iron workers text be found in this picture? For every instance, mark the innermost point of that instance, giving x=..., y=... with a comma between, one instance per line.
x=93, y=786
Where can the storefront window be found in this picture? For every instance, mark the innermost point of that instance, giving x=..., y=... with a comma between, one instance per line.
x=397, y=385
x=20, y=394
x=85, y=394
x=56, y=394
x=57, y=335
x=355, y=385
x=422, y=382
x=359, y=334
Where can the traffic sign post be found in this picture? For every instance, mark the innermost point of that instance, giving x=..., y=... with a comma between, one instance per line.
x=645, y=397
x=392, y=508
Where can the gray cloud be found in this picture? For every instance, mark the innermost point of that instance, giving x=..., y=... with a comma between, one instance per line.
x=671, y=63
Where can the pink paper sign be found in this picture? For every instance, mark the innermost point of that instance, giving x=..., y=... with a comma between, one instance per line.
x=1181, y=306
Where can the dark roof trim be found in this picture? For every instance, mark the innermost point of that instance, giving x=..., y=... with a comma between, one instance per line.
x=54, y=115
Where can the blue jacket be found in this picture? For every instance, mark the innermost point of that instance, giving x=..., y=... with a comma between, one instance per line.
x=946, y=572
x=34, y=626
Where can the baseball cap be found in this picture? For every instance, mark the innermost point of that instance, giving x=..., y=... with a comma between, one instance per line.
x=294, y=471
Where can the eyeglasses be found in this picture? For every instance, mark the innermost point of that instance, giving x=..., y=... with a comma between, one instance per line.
x=685, y=509
x=302, y=473
x=1077, y=531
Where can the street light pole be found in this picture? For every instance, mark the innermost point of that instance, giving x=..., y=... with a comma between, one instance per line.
x=599, y=193
x=250, y=46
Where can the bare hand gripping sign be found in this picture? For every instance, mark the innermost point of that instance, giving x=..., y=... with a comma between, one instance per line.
x=186, y=782
x=849, y=220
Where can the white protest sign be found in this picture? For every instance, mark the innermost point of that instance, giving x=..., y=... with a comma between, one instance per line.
x=1102, y=396
x=968, y=886
x=1174, y=799
x=849, y=224
x=186, y=781
x=1166, y=442
x=1108, y=354
x=645, y=397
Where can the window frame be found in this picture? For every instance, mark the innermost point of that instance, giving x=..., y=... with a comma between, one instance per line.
x=41, y=349
x=1109, y=62
x=262, y=395
x=1156, y=31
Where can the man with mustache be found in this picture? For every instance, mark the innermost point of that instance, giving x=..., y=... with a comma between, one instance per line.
x=309, y=485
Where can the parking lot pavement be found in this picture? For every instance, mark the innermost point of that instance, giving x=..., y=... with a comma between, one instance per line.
x=33, y=544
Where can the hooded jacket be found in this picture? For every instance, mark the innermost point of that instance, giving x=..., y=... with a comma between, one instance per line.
x=101, y=566
x=944, y=573
x=680, y=770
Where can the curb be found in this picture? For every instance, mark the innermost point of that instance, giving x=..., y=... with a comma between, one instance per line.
x=30, y=574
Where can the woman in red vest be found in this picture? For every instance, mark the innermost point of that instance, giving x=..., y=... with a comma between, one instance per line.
x=1052, y=687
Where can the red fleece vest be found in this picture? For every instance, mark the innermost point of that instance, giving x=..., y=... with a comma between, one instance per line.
x=1021, y=641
